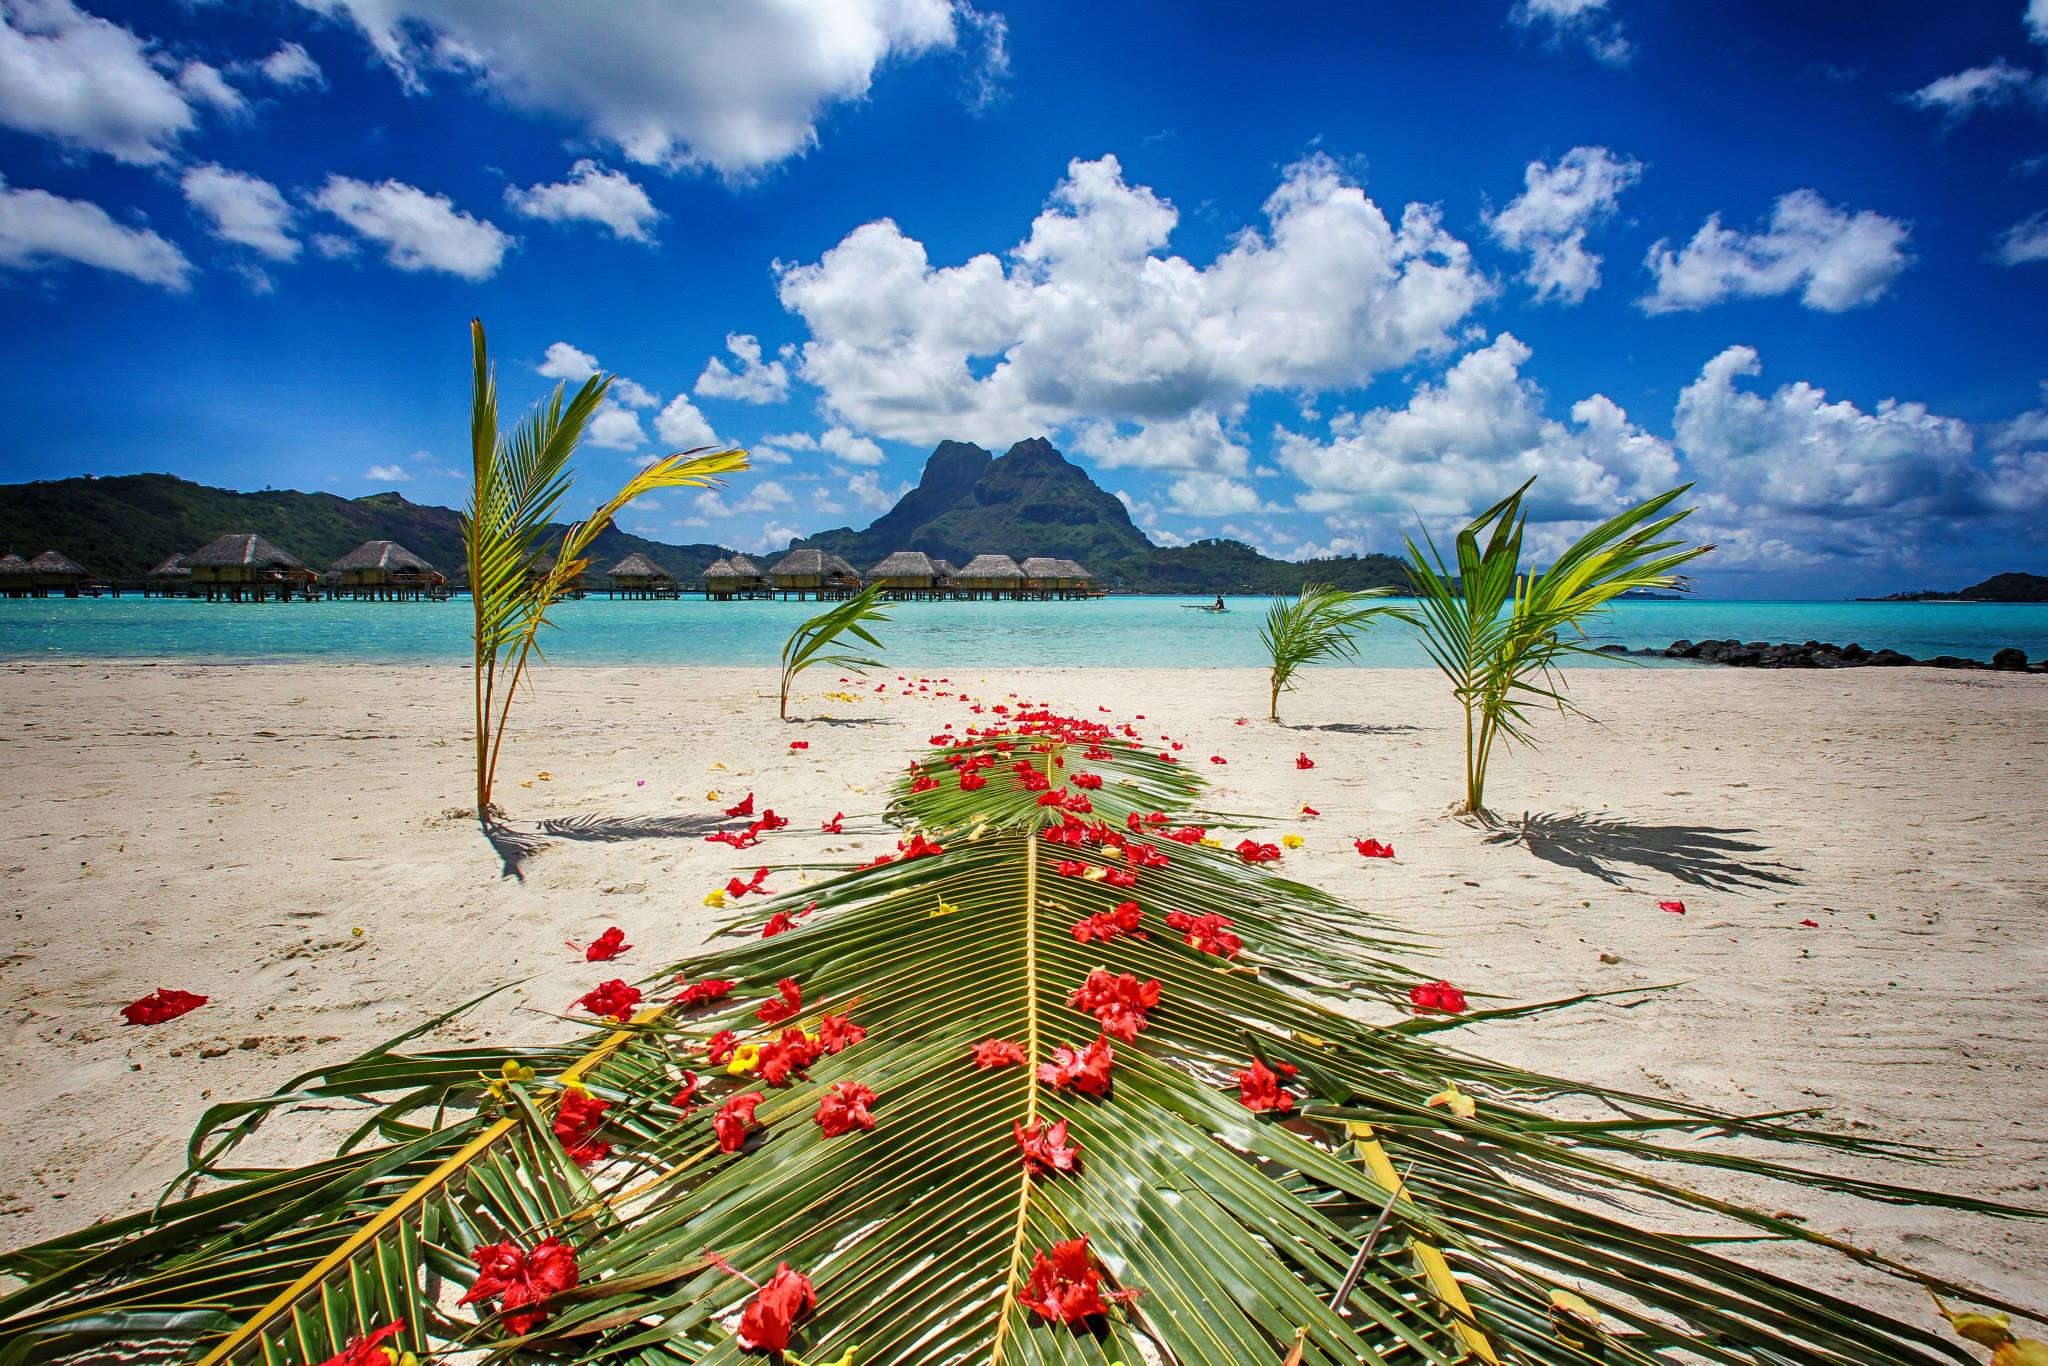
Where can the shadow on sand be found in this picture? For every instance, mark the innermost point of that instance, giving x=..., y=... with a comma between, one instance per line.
x=1355, y=728
x=1605, y=846
x=515, y=846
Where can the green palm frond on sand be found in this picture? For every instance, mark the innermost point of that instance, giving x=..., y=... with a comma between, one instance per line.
x=1241, y=1231
x=822, y=639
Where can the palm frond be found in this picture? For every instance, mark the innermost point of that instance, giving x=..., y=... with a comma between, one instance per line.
x=1366, y=1222
x=1322, y=623
x=822, y=639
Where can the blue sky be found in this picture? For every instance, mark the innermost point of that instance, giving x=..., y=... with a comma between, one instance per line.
x=1301, y=281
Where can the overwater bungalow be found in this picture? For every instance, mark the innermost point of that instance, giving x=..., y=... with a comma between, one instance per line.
x=735, y=576
x=906, y=574
x=636, y=576
x=949, y=577
x=1080, y=583
x=56, y=572
x=246, y=567
x=17, y=580
x=1041, y=576
x=386, y=572
x=171, y=579
x=540, y=564
x=805, y=573
x=991, y=576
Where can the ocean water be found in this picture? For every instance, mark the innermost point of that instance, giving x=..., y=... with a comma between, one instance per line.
x=1137, y=632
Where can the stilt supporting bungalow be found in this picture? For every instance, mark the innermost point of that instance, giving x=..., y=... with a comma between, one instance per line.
x=636, y=576
x=247, y=568
x=385, y=571
x=16, y=579
x=807, y=573
x=56, y=572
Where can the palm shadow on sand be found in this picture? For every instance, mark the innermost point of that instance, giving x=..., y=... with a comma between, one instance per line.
x=514, y=846
x=1355, y=728
x=1608, y=846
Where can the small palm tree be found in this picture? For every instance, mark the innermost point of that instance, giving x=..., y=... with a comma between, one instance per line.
x=1498, y=634
x=518, y=484
x=1323, y=623
x=809, y=643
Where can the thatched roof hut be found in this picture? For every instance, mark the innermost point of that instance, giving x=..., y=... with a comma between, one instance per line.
x=905, y=569
x=247, y=552
x=734, y=574
x=808, y=568
x=945, y=570
x=1075, y=570
x=173, y=567
x=380, y=562
x=638, y=566
x=15, y=575
x=1042, y=570
x=991, y=571
x=56, y=566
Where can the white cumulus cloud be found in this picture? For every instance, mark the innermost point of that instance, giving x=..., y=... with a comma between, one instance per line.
x=88, y=83
x=1998, y=82
x=1836, y=260
x=1581, y=21
x=1092, y=320
x=418, y=230
x=1458, y=445
x=40, y=230
x=2024, y=242
x=244, y=209
x=1200, y=441
x=1550, y=218
x=291, y=65
x=751, y=381
x=736, y=87
x=682, y=428
x=591, y=194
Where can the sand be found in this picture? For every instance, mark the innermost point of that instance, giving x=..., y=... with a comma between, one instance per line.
x=226, y=830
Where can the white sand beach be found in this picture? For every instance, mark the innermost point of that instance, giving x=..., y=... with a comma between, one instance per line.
x=226, y=830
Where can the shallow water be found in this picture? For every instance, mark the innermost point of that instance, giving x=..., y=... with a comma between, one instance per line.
x=1139, y=632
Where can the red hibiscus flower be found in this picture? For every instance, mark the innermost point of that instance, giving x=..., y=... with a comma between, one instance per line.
x=834, y=826
x=1208, y=933
x=1091, y=781
x=777, y=923
x=1214, y=758
x=772, y=1314
x=1118, y=1001
x=606, y=946
x=799, y=744
x=1308, y=810
x=991, y=1054
x=519, y=1279
x=787, y=1006
x=1145, y=856
x=1068, y=867
x=733, y=1120
x=844, y=1108
x=1045, y=1149
x=971, y=782
x=1675, y=907
x=1033, y=781
x=1189, y=834
x=1259, y=1088
x=577, y=1121
x=704, y=992
x=745, y=808
x=838, y=1032
x=792, y=1052
x=919, y=847
x=770, y=821
x=1066, y=1288
x=1811, y=924
x=719, y=1048
x=923, y=783
x=165, y=1003
x=1085, y=1070
x=686, y=1098
x=1437, y=996
x=757, y=883
x=1123, y=918
x=366, y=1351
x=1251, y=851
x=738, y=839
x=612, y=1000
x=1373, y=849
x=1303, y=761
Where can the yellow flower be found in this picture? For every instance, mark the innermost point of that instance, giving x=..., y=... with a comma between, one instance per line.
x=512, y=1071
x=712, y=795
x=1208, y=843
x=1293, y=841
x=1454, y=1100
x=715, y=897
x=718, y=768
x=356, y=932
x=545, y=776
x=945, y=908
x=1095, y=873
x=744, y=1059
x=1575, y=1321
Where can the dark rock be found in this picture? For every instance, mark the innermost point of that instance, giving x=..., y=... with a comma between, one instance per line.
x=2010, y=658
x=1954, y=662
x=1852, y=653
x=1681, y=649
x=1890, y=659
x=1623, y=649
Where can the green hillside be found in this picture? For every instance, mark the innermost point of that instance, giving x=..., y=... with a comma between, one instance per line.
x=122, y=526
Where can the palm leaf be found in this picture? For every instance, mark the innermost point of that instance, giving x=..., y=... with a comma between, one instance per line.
x=820, y=640
x=1241, y=1230
x=1322, y=623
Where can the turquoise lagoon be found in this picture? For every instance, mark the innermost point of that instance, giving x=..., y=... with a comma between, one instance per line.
x=1130, y=632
